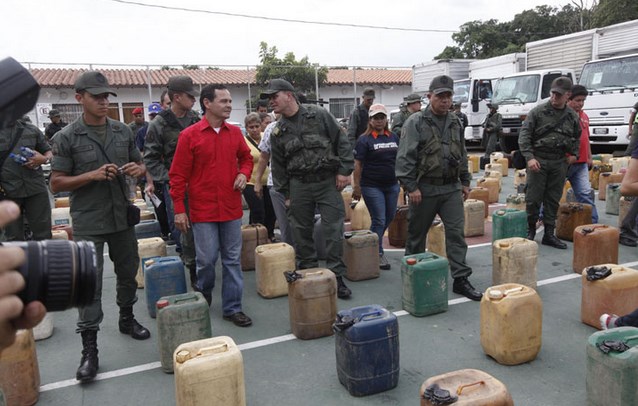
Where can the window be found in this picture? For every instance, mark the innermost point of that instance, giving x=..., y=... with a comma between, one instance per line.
x=341, y=107
x=71, y=112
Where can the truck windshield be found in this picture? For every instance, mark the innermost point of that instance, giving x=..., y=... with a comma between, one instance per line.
x=461, y=91
x=622, y=72
x=517, y=89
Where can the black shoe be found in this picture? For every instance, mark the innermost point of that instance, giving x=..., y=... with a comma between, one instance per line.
x=383, y=263
x=128, y=325
x=239, y=319
x=89, y=364
x=462, y=286
x=343, y=292
x=628, y=242
x=531, y=230
x=550, y=239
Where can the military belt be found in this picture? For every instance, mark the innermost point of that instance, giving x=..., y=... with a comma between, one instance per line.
x=438, y=181
x=548, y=155
x=313, y=177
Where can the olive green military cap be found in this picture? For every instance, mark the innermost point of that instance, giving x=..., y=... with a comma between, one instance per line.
x=276, y=85
x=442, y=84
x=182, y=84
x=561, y=85
x=54, y=113
x=93, y=82
x=412, y=98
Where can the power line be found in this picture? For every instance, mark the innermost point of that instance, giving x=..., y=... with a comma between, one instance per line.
x=286, y=20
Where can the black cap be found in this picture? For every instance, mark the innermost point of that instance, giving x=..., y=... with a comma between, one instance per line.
x=442, y=84
x=276, y=85
x=93, y=82
x=182, y=84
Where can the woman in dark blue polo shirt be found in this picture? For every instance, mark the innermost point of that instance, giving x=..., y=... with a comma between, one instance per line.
x=374, y=158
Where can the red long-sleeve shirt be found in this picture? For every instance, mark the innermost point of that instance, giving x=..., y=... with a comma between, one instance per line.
x=205, y=166
x=583, y=152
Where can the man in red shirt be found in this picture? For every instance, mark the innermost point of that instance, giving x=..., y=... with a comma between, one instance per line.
x=578, y=172
x=213, y=162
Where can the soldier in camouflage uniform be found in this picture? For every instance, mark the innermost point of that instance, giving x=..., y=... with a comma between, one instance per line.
x=311, y=163
x=159, y=148
x=412, y=105
x=549, y=141
x=90, y=156
x=492, y=128
x=24, y=183
x=432, y=167
x=358, y=122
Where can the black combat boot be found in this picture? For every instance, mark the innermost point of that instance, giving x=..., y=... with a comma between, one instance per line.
x=531, y=230
x=550, y=239
x=193, y=274
x=343, y=292
x=462, y=286
x=130, y=326
x=89, y=363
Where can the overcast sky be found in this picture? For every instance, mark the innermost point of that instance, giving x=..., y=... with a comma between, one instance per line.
x=108, y=31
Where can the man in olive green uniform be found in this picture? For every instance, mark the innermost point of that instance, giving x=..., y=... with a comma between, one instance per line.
x=358, y=122
x=492, y=128
x=24, y=182
x=91, y=157
x=432, y=167
x=311, y=163
x=412, y=105
x=159, y=148
x=138, y=120
x=549, y=141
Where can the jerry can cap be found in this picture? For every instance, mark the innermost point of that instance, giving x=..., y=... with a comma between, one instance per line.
x=161, y=303
x=411, y=261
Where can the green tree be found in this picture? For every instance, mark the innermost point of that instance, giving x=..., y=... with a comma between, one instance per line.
x=300, y=73
x=190, y=67
x=451, y=52
x=610, y=12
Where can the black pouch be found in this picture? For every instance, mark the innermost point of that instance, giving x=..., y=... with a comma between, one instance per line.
x=132, y=215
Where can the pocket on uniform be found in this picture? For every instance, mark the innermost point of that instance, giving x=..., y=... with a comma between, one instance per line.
x=121, y=150
x=82, y=157
x=292, y=147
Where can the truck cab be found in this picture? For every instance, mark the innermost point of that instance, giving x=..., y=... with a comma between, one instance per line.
x=473, y=95
x=613, y=87
x=517, y=94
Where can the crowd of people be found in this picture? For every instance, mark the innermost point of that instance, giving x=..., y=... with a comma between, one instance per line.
x=292, y=164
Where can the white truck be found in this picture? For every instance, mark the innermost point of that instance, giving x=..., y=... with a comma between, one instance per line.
x=517, y=94
x=475, y=92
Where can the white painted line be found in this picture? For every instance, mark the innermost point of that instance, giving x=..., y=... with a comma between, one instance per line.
x=102, y=376
x=267, y=341
x=558, y=279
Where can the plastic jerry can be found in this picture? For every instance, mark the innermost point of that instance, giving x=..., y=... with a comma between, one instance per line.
x=509, y=223
x=44, y=329
x=494, y=173
x=495, y=156
x=511, y=323
x=505, y=164
x=180, y=319
x=147, y=229
x=141, y=204
x=61, y=216
x=605, y=158
x=62, y=201
x=570, y=216
x=209, y=372
x=623, y=207
x=252, y=236
x=612, y=203
x=59, y=235
x=163, y=276
x=19, y=373
x=493, y=187
x=595, y=244
x=147, y=215
x=401, y=198
x=361, y=335
x=494, y=167
x=481, y=193
x=475, y=163
x=618, y=163
x=566, y=187
x=571, y=197
x=361, y=255
x=312, y=302
x=360, y=219
x=470, y=168
x=520, y=177
x=614, y=294
x=606, y=178
x=148, y=248
x=514, y=261
x=435, y=240
x=67, y=228
x=271, y=261
x=516, y=201
x=424, y=281
x=346, y=195
x=398, y=229
x=611, y=377
x=472, y=387
x=474, y=217
x=594, y=174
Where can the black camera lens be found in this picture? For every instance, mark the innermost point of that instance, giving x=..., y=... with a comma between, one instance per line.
x=60, y=274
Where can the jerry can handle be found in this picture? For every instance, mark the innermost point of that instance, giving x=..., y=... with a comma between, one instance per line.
x=459, y=390
x=214, y=349
x=186, y=299
x=375, y=313
x=315, y=273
